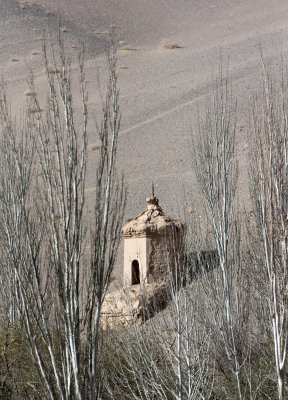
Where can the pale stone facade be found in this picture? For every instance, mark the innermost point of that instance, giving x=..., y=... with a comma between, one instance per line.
x=153, y=252
x=150, y=243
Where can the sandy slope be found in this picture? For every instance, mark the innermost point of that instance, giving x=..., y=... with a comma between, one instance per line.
x=159, y=88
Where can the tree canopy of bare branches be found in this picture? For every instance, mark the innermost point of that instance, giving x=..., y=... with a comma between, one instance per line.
x=56, y=264
x=270, y=196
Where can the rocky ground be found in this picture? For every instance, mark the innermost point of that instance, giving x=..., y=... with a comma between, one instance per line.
x=160, y=87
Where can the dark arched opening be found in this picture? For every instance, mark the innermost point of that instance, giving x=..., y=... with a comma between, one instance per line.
x=135, y=272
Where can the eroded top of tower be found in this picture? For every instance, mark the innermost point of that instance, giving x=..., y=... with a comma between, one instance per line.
x=151, y=222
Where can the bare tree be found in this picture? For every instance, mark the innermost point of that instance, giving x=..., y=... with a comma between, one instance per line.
x=166, y=356
x=216, y=171
x=58, y=291
x=270, y=196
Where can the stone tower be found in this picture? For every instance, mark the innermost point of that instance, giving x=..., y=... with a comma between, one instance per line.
x=151, y=241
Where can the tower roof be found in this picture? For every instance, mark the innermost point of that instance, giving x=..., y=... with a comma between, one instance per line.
x=151, y=222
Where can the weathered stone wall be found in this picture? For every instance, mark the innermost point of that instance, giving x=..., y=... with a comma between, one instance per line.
x=157, y=262
x=135, y=248
x=166, y=257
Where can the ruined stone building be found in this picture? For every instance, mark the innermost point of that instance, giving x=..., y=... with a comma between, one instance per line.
x=153, y=253
x=152, y=242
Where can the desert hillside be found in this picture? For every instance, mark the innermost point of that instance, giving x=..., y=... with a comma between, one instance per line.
x=160, y=87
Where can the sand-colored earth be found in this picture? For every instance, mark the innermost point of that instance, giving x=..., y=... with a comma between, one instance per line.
x=159, y=87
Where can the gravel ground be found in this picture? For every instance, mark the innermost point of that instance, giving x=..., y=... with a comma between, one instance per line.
x=159, y=88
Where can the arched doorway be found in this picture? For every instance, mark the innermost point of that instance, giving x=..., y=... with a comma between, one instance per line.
x=135, y=272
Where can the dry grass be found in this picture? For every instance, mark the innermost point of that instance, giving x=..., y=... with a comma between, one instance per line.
x=101, y=33
x=170, y=46
x=95, y=148
x=171, y=148
x=31, y=3
x=34, y=110
x=13, y=59
x=52, y=70
x=128, y=48
x=29, y=93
